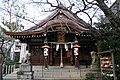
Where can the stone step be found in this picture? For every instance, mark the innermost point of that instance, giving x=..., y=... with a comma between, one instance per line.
x=54, y=69
x=54, y=73
x=59, y=75
x=68, y=72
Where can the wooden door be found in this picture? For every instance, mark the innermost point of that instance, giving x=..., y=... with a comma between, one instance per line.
x=37, y=57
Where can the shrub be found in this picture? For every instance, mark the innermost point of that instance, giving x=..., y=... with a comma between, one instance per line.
x=89, y=76
x=106, y=77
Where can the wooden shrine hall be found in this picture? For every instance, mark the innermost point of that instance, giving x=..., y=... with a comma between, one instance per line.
x=62, y=32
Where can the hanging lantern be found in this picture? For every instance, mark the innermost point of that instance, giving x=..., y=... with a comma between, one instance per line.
x=45, y=49
x=76, y=50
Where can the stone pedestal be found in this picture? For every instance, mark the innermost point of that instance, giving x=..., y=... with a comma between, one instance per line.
x=25, y=72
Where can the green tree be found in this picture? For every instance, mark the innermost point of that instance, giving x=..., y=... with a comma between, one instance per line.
x=106, y=77
x=4, y=40
x=109, y=40
x=89, y=76
x=12, y=26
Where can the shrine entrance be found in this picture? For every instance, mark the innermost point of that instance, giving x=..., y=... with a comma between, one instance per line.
x=61, y=53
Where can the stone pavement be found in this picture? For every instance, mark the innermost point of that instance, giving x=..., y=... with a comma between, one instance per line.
x=55, y=73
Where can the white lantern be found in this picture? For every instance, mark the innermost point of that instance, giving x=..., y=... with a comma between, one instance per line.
x=45, y=51
x=76, y=51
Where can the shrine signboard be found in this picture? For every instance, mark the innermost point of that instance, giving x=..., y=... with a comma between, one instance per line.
x=60, y=37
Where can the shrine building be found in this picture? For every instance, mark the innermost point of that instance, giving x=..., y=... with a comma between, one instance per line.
x=62, y=33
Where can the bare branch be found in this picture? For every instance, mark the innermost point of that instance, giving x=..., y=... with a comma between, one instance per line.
x=84, y=4
x=19, y=16
x=92, y=2
x=71, y=5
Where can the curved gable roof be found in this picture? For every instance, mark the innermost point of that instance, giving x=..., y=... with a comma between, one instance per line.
x=63, y=22
x=68, y=15
x=54, y=18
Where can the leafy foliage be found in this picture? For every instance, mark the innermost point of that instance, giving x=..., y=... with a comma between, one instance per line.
x=12, y=26
x=106, y=77
x=89, y=76
x=109, y=39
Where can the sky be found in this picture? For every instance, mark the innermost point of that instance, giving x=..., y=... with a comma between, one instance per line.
x=34, y=13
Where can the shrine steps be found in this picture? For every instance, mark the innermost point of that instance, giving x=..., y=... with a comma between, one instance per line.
x=55, y=73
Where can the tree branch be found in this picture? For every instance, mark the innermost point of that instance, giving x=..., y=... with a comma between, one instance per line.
x=115, y=21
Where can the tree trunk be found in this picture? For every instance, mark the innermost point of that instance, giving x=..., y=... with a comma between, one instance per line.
x=1, y=66
x=1, y=78
x=114, y=19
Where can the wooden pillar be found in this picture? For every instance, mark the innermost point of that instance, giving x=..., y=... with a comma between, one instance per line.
x=29, y=47
x=51, y=55
x=46, y=62
x=113, y=63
